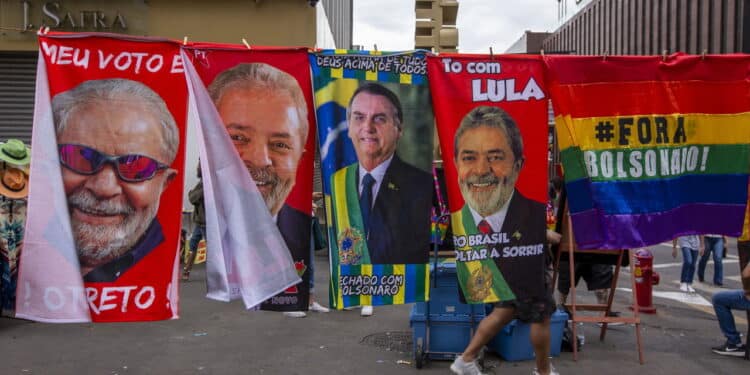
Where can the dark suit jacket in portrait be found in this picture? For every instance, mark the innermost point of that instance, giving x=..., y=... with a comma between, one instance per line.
x=294, y=226
x=399, y=227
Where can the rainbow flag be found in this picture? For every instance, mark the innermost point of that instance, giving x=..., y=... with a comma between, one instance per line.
x=652, y=147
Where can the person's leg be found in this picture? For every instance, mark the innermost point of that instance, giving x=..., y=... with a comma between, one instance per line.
x=743, y=250
x=687, y=263
x=704, y=259
x=540, y=337
x=563, y=282
x=582, y=270
x=600, y=281
x=195, y=239
x=724, y=302
x=311, y=266
x=693, y=261
x=487, y=329
x=466, y=363
x=314, y=305
x=719, y=261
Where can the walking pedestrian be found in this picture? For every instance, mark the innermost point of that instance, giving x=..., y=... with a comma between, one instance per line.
x=690, y=246
x=195, y=196
x=714, y=244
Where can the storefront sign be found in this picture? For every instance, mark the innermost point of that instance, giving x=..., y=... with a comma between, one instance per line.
x=58, y=16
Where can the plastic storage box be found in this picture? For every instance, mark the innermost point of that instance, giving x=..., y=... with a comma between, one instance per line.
x=444, y=296
x=449, y=333
x=450, y=322
x=513, y=344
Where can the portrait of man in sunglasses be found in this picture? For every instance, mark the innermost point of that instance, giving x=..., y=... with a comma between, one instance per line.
x=116, y=139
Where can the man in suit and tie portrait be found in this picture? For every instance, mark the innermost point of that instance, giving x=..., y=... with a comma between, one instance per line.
x=394, y=197
x=488, y=153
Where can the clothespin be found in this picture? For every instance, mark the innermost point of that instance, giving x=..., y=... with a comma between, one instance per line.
x=703, y=54
x=664, y=55
x=375, y=47
x=184, y=40
x=604, y=56
x=541, y=52
x=244, y=41
x=492, y=55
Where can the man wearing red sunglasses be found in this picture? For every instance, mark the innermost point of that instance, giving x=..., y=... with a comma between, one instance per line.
x=116, y=140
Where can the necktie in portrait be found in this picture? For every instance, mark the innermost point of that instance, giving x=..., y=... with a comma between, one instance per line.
x=365, y=201
x=484, y=227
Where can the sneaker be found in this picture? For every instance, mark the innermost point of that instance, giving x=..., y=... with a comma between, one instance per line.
x=684, y=287
x=552, y=371
x=186, y=276
x=295, y=314
x=366, y=311
x=318, y=308
x=690, y=288
x=461, y=367
x=734, y=350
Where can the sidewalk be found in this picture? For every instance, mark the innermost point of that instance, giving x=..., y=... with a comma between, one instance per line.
x=217, y=338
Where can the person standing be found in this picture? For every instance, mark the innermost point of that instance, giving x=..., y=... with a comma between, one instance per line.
x=195, y=196
x=714, y=244
x=691, y=247
x=14, y=188
x=724, y=302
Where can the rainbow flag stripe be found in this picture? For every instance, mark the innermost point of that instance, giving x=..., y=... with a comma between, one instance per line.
x=652, y=148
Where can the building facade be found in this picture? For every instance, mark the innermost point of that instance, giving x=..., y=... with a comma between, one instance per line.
x=652, y=27
x=647, y=27
x=436, y=25
x=260, y=22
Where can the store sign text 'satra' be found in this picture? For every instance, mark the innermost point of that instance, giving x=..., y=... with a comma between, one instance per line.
x=53, y=15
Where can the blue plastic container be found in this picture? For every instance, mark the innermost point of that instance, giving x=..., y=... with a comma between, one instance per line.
x=513, y=344
x=444, y=297
x=449, y=333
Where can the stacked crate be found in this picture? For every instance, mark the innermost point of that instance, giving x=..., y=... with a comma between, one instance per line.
x=448, y=322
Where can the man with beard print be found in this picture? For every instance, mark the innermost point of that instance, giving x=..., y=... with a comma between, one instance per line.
x=116, y=140
x=265, y=114
x=489, y=156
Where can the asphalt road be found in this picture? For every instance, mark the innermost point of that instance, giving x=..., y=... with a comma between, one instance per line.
x=219, y=338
